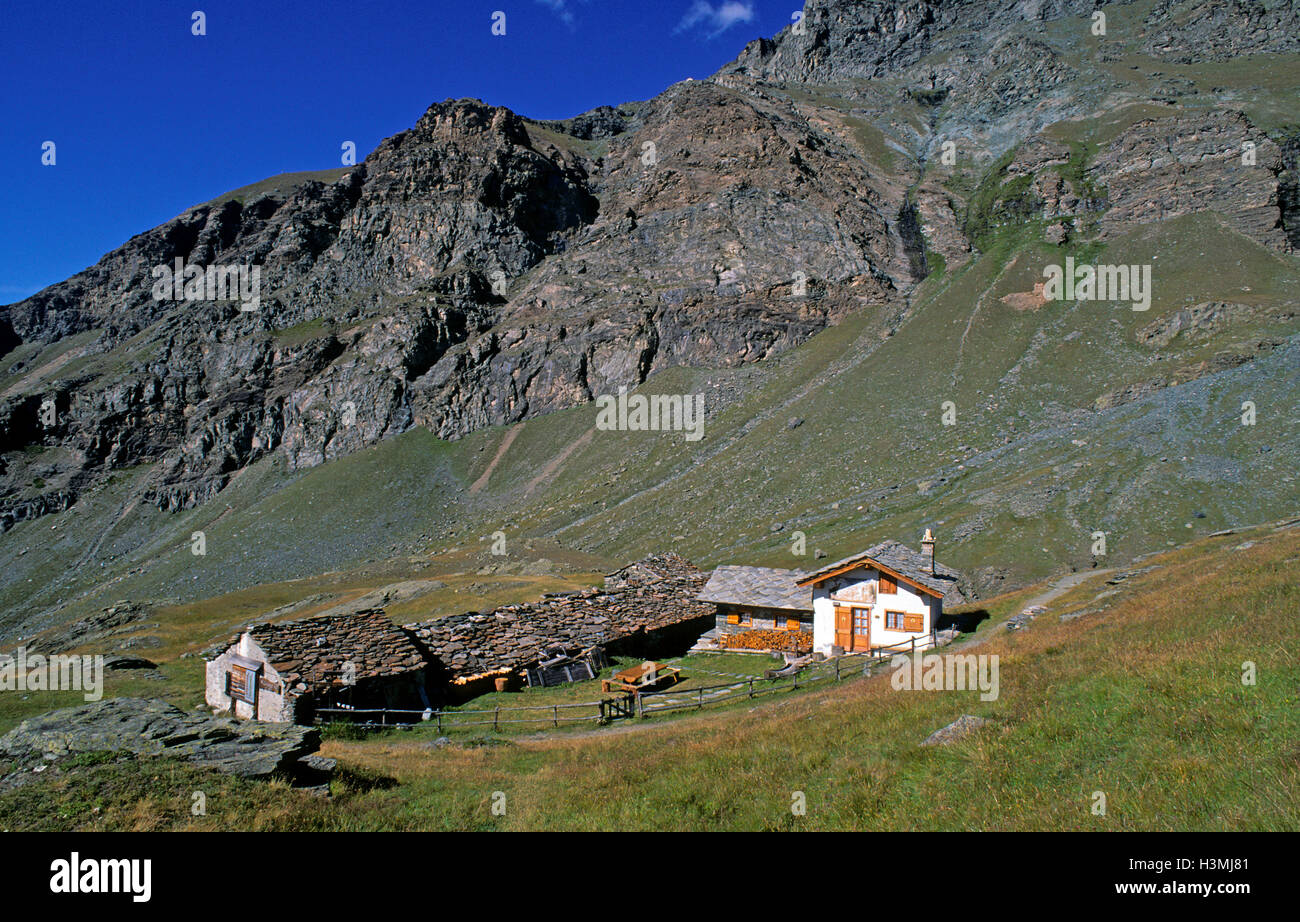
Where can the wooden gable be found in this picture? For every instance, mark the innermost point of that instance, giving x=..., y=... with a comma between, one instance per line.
x=868, y=562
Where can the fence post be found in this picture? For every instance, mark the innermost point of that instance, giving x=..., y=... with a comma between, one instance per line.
x=557, y=715
x=701, y=696
x=637, y=698
x=440, y=721
x=837, y=669
x=751, y=687
x=496, y=719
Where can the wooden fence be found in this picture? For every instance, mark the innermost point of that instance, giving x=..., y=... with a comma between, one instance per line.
x=625, y=706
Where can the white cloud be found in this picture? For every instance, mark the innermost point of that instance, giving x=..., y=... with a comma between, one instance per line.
x=560, y=8
x=716, y=19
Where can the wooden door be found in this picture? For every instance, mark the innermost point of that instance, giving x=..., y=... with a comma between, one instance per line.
x=844, y=627
x=861, y=629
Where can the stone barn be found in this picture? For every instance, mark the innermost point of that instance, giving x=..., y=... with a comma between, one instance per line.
x=647, y=609
x=285, y=671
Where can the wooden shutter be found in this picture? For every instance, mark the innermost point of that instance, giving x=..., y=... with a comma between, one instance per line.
x=888, y=583
x=733, y=619
x=237, y=677
x=792, y=624
x=242, y=683
x=913, y=622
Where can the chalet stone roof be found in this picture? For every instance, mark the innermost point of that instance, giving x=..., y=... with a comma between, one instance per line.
x=761, y=587
x=900, y=558
x=310, y=654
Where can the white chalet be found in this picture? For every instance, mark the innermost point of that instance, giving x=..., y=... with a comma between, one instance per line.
x=880, y=597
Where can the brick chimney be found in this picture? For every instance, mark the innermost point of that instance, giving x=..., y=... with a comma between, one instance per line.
x=927, y=551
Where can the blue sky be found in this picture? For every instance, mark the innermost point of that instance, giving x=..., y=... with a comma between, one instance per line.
x=149, y=119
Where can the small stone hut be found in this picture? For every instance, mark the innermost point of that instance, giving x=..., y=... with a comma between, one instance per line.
x=285, y=671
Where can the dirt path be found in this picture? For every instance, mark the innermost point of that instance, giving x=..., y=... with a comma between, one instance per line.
x=979, y=302
x=496, y=459
x=1064, y=584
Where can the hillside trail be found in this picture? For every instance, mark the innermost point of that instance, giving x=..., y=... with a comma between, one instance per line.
x=1064, y=584
x=127, y=506
x=553, y=466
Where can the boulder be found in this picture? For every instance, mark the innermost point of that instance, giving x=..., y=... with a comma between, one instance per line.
x=959, y=729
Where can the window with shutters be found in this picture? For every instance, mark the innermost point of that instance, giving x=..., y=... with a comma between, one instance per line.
x=888, y=583
x=894, y=620
x=242, y=679
x=242, y=684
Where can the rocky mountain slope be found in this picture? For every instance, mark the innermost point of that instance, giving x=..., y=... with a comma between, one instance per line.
x=895, y=172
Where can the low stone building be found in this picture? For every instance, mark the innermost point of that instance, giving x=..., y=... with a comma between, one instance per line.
x=285, y=671
x=648, y=609
x=758, y=598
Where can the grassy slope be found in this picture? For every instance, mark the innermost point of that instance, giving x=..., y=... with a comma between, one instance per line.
x=1141, y=698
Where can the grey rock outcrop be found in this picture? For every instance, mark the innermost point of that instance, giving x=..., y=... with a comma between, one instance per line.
x=151, y=727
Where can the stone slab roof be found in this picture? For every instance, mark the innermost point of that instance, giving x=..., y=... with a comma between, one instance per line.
x=761, y=587
x=313, y=652
x=900, y=558
x=653, y=595
x=652, y=569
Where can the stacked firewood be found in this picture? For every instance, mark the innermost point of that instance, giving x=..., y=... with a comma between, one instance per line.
x=781, y=641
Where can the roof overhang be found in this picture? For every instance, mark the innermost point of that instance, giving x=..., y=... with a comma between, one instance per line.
x=812, y=579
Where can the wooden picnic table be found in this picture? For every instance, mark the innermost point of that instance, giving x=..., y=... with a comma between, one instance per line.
x=638, y=678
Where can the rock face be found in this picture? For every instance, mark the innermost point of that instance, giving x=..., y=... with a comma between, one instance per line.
x=148, y=726
x=1165, y=168
x=463, y=276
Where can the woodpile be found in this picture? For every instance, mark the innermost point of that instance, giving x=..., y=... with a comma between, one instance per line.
x=779, y=641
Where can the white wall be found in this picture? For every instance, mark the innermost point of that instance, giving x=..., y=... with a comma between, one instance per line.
x=270, y=706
